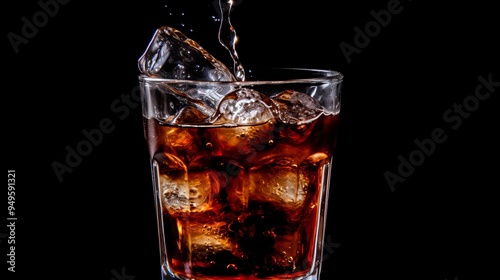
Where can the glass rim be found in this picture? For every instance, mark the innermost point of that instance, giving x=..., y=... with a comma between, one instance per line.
x=323, y=75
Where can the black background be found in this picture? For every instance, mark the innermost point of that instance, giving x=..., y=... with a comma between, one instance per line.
x=98, y=222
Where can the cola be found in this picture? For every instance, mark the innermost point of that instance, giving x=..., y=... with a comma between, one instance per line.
x=242, y=201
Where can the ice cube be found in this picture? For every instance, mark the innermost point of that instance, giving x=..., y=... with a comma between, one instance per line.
x=183, y=104
x=203, y=190
x=189, y=115
x=172, y=55
x=173, y=181
x=209, y=242
x=280, y=181
x=210, y=248
x=245, y=144
x=183, y=142
x=183, y=190
x=296, y=107
x=209, y=94
x=244, y=107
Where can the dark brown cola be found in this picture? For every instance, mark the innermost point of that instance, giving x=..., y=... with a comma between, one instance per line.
x=242, y=202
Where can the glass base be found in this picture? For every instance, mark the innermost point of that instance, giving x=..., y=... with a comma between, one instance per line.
x=166, y=275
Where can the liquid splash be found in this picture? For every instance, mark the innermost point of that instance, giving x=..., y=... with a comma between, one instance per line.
x=228, y=38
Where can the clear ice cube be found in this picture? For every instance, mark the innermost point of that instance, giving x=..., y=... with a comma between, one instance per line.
x=172, y=55
x=189, y=115
x=182, y=142
x=244, y=107
x=296, y=107
x=279, y=180
x=184, y=190
x=173, y=180
x=203, y=190
x=174, y=106
x=245, y=144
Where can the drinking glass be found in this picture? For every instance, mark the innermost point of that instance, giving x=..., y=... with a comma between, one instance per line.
x=241, y=172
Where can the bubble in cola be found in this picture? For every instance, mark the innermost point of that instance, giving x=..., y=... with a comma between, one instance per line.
x=239, y=173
